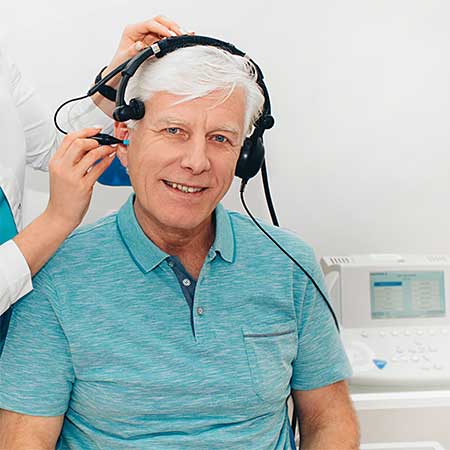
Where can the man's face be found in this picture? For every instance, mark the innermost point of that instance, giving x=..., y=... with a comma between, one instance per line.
x=181, y=158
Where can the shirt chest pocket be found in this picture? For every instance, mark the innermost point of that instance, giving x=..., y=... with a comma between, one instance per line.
x=270, y=351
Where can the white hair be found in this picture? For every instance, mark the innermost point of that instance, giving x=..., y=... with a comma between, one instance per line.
x=193, y=72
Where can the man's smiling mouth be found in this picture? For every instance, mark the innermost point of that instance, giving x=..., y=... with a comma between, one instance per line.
x=183, y=187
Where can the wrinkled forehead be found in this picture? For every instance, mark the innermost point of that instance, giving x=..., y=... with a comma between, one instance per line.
x=219, y=105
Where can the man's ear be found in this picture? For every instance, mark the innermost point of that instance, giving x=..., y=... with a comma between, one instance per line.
x=121, y=132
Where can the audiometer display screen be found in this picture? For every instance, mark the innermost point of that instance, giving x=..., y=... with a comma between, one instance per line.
x=398, y=295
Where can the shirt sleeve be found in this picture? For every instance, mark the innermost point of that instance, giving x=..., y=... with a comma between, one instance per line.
x=321, y=359
x=36, y=371
x=42, y=138
x=15, y=275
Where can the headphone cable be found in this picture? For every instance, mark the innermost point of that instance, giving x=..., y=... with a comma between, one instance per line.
x=294, y=420
x=269, y=202
x=55, y=116
x=91, y=92
x=242, y=189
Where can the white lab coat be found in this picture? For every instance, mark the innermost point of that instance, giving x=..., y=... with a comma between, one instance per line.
x=28, y=137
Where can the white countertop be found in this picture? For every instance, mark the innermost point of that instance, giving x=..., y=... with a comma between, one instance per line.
x=370, y=398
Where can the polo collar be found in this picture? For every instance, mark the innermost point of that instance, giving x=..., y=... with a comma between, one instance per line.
x=144, y=252
x=148, y=256
x=224, y=242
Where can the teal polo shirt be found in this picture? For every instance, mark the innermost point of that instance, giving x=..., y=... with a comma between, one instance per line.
x=107, y=338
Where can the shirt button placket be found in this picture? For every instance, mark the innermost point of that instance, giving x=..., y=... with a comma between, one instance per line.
x=200, y=308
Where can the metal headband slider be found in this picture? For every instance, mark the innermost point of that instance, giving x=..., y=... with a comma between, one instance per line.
x=155, y=48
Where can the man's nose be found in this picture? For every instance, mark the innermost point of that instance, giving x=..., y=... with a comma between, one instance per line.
x=195, y=156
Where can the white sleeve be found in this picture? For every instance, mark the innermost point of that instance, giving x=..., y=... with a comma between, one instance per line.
x=42, y=138
x=40, y=134
x=15, y=275
x=83, y=114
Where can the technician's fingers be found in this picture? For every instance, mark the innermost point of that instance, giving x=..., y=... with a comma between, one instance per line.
x=138, y=36
x=90, y=158
x=77, y=150
x=169, y=24
x=147, y=33
x=136, y=47
x=157, y=27
x=70, y=138
x=94, y=173
x=143, y=34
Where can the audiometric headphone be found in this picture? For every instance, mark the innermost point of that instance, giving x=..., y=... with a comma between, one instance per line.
x=252, y=152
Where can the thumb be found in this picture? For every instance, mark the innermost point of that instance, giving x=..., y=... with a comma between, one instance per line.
x=135, y=48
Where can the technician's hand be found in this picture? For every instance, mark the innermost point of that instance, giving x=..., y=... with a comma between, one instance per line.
x=73, y=173
x=135, y=38
x=141, y=35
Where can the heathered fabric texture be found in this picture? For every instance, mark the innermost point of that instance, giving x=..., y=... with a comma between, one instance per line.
x=106, y=338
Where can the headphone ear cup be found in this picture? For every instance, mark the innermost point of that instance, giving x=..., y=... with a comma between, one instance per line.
x=250, y=159
x=137, y=109
x=121, y=113
x=134, y=111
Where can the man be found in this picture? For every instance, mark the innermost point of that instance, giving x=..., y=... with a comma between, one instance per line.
x=175, y=324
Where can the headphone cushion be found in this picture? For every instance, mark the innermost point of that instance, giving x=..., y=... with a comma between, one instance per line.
x=250, y=159
x=137, y=109
x=134, y=111
x=120, y=113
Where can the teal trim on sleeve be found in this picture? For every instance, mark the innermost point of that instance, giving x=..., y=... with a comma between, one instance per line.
x=7, y=231
x=7, y=225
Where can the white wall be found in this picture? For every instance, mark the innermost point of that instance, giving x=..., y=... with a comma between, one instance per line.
x=359, y=156
x=358, y=160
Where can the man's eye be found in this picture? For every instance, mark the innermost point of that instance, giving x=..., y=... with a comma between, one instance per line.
x=173, y=130
x=220, y=138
